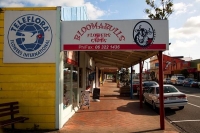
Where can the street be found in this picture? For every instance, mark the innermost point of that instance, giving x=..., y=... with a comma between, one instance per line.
x=188, y=119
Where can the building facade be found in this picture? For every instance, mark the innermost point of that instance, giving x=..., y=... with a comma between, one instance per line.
x=45, y=80
x=175, y=65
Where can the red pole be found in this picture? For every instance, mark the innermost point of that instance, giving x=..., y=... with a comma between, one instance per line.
x=162, y=122
x=141, y=84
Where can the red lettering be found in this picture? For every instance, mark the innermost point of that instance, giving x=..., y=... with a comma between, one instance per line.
x=95, y=25
x=83, y=29
x=77, y=37
x=88, y=27
x=122, y=38
x=101, y=26
x=79, y=33
x=116, y=29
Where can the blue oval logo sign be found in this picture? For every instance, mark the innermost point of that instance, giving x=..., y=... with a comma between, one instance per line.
x=30, y=36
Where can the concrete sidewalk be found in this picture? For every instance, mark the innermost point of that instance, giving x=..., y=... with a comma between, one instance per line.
x=115, y=114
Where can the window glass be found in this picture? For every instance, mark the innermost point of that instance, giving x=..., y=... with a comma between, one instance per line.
x=151, y=90
x=169, y=89
x=75, y=86
x=181, y=78
x=66, y=86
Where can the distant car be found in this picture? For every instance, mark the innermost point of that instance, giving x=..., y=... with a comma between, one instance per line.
x=135, y=85
x=190, y=83
x=187, y=79
x=146, y=85
x=194, y=84
x=177, y=79
x=172, y=97
x=167, y=81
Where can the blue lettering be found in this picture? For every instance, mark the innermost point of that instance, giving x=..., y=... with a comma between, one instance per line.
x=13, y=29
x=32, y=19
x=19, y=22
x=24, y=20
x=28, y=19
x=16, y=25
x=15, y=48
x=37, y=20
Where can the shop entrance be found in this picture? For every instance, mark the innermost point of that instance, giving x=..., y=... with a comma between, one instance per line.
x=117, y=44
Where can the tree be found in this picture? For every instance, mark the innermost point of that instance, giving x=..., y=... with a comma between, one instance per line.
x=125, y=77
x=162, y=12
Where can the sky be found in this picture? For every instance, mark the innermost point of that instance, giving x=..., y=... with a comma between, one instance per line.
x=184, y=23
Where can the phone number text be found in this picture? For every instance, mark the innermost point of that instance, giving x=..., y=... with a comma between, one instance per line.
x=98, y=47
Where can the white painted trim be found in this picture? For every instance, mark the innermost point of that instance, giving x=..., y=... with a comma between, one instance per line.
x=57, y=48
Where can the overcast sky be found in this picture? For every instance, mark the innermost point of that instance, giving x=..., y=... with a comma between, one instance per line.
x=184, y=23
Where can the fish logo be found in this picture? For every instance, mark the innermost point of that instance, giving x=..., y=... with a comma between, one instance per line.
x=30, y=36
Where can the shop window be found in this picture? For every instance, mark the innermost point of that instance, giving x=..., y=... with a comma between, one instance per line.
x=67, y=86
x=80, y=78
x=75, y=86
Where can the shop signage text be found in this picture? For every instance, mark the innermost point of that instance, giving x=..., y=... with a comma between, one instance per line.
x=99, y=37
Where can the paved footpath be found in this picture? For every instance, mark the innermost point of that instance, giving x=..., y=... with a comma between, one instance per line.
x=115, y=114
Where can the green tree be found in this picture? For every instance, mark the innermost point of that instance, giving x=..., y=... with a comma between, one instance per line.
x=125, y=77
x=162, y=12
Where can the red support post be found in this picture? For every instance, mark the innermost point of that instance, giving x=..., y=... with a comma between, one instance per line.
x=141, y=94
x=161, y=92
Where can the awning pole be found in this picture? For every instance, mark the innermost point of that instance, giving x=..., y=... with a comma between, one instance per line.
x=141, y=84
x=161, y=92
x=131, y=91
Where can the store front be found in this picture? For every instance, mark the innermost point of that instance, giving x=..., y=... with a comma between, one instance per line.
x=47, y=72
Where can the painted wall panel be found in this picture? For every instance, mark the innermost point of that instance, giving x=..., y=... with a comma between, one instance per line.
x=28, y=86
x=27, y=70
x=31, y=126
x=25, y=64
x=41, y=118
x=1, y=23
x=1, y=54
x=1, y=31
x=41, y=110
x=27, y=78
x=1, y=39
x=32, y=85
x=1, y=47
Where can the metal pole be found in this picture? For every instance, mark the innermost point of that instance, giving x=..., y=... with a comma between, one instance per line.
x=131, y=91
x=141, y=84
x=147, y=70
x=161, y=92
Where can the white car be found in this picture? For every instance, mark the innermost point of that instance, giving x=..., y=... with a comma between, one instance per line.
x=167, y=81
x=172, y=97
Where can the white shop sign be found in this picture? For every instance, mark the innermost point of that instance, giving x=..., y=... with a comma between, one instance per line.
x=140, y=35
x=29, y=36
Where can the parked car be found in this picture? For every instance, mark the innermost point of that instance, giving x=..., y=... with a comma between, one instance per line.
x=187, y=79
x=146, y=85
x=190, y=83
x=194, y=84
x=177, y=79
x=167, y=81
x=172, y=97
x=135, y=85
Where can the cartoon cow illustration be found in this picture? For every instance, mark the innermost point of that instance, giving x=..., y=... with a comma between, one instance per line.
x=142, y=38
